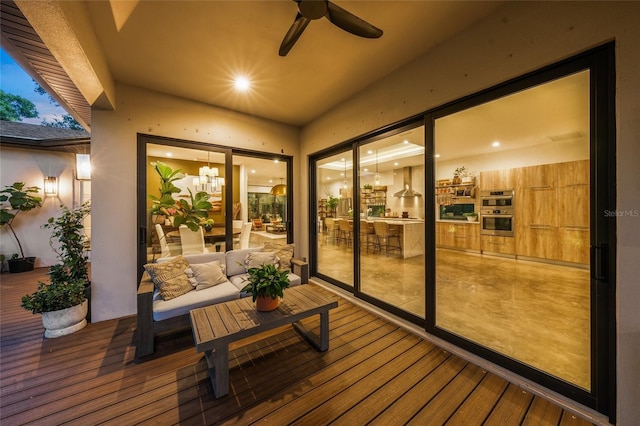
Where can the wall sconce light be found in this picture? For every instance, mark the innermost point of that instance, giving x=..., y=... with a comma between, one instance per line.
x=83, y=166
x=50, y=185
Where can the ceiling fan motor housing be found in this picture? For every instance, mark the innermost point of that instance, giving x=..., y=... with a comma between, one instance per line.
x=313, y=9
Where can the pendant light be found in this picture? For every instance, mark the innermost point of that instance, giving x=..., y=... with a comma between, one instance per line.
x=279, y=189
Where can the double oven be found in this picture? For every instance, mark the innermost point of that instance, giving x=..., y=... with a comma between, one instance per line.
x=497, y=212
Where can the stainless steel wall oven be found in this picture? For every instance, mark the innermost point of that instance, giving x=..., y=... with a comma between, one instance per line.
x=497, y=212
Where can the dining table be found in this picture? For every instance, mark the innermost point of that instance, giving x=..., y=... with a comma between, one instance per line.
x=217, y=234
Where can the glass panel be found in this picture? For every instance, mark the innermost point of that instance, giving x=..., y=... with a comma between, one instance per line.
x=335, y=217
x=263, y=198
x=517, y=280
x=391, y=218
x=184, y=186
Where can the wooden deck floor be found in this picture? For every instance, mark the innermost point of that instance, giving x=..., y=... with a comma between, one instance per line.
x=374, y=372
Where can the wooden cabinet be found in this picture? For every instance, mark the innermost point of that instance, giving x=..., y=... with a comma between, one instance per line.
x=497, y=179
x=497, y=244
x=536, y=218
x=552, y=211
x=463, y=236
x=573, y=211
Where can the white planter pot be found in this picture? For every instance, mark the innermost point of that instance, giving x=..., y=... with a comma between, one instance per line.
x=65, y=321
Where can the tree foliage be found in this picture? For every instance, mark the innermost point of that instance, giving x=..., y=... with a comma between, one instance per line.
x=15, y=108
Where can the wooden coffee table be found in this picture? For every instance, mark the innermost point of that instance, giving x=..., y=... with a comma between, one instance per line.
x=216, y=326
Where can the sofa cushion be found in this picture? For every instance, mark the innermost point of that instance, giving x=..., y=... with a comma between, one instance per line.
x=259, y=259
x=283, y=251
x=165, y=309
x=235, y=260
x=169, y=277
x=208, y=274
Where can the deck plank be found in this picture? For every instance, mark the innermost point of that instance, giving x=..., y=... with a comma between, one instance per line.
x=374, y=372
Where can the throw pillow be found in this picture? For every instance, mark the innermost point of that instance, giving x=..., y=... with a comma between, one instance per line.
x=259, y=258
x=208, y=274
x=169, y=277
x=283, y=251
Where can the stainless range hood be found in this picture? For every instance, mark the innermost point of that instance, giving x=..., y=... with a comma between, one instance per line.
x=408, y=189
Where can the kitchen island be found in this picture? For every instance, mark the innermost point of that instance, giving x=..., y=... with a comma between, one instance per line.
x=411, y=232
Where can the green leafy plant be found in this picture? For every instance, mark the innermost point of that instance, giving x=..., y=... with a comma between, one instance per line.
x=167, y=188
x=267, y=281
x=20, y=199
x=367, y=186
x=470, y=214
x=459, y=171
x=333, y=202
x=68, y=241
x=192, y=214
x=69, y=278
x=54, y=296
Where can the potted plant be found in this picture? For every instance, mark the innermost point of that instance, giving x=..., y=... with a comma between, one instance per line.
x=20, y=199
x=332, y=203
x=367, y=188
x=207, y=224
x=162, y=204
x=457, y=175
x=63, y=302
x=267, y=284
x=471, y=217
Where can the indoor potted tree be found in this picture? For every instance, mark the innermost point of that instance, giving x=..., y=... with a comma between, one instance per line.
x=20, y=198
x=194, y=213
x=63, y=302
x=267, y=284
x=163, y=204
x=332, y=204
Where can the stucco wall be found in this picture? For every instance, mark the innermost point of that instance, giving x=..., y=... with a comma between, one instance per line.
x=31, y=167
x=521, y=37
x=113, y=150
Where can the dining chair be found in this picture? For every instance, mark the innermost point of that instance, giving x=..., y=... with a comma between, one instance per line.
x=166, y=249
x=244, y=235
x=192, y=241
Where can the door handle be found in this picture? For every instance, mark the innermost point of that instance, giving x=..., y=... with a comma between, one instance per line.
x=599, y=262
x=142, y=235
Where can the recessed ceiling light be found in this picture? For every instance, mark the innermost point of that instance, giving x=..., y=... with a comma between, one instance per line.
x=169, y=154
x=276, y=161
x=395, y=164
x=405, y=141
x=369, y=152
x=253, y=171
x=270, y=181
x=437, y=155
x=366, y=170
x=242, y=84
x=495, y=144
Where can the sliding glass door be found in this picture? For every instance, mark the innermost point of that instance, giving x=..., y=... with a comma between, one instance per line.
x=334, y=206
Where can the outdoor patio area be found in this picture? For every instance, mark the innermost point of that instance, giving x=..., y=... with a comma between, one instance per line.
x=373, y=372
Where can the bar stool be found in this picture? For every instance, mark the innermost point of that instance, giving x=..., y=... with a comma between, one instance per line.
x=385, y=235
x=346, y=231
x=367, y=235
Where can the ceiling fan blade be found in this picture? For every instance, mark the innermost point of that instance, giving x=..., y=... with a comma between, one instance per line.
x=294, y=33
x=351, y=23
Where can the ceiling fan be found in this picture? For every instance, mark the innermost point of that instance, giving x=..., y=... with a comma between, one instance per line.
x=309, y=10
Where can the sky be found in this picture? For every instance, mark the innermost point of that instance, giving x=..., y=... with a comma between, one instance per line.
x=15, y=81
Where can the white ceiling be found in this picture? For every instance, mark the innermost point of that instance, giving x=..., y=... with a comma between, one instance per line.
x=194, y=49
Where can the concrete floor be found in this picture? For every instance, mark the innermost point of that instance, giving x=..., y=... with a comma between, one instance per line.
x=536, y=313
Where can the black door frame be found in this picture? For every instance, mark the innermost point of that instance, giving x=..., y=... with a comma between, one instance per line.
x=141, y=189
x=600, y=62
